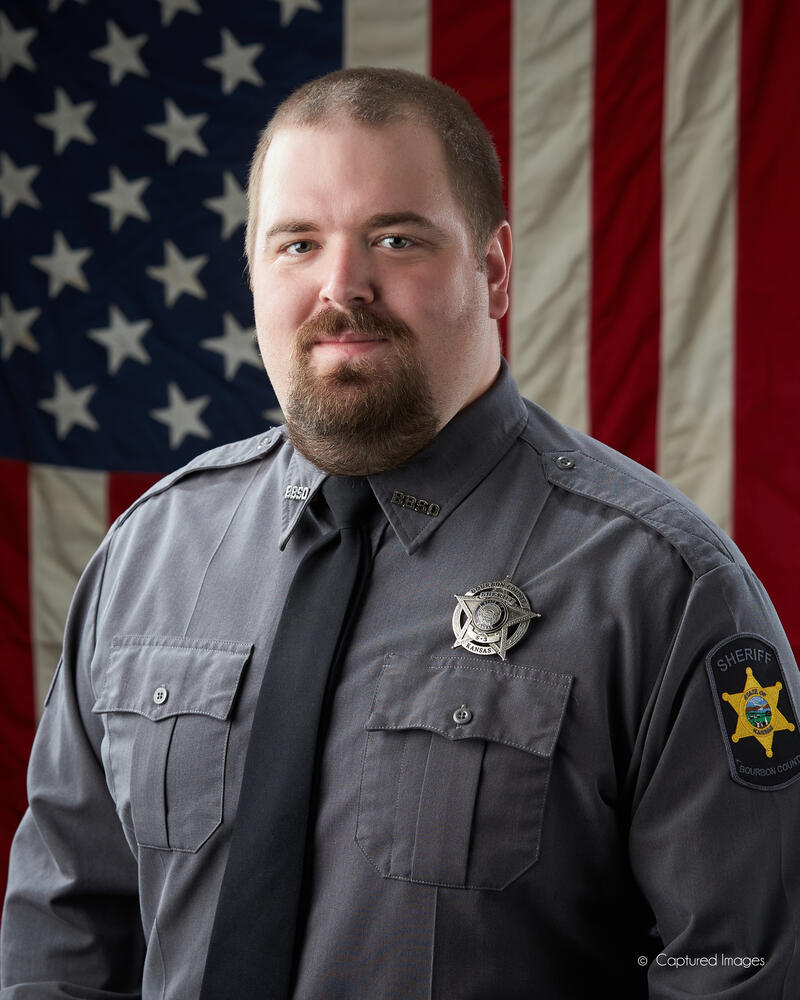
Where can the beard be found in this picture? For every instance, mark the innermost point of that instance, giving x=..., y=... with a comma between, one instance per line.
x=363, y=416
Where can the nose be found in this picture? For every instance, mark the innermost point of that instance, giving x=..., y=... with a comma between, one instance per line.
x=348, y=280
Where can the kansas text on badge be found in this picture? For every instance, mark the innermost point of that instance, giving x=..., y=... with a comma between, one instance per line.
x=755, y=711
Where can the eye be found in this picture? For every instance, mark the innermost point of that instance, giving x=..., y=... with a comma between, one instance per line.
x=396, y=242
x=298, y=248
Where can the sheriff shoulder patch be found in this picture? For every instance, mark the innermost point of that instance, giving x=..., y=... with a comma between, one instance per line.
x=755, y=711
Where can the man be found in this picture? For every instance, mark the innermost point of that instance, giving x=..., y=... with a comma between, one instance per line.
x=559, y=748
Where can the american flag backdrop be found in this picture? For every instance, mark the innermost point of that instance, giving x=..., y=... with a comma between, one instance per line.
x=651, y=154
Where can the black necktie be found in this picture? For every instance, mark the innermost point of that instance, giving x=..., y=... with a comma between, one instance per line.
x=253, y=940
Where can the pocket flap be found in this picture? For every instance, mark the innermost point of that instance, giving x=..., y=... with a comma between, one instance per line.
x=160, y=676
x=505, y=703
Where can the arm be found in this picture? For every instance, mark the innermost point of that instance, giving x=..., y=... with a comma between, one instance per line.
x=71, y=924
x=715, y=855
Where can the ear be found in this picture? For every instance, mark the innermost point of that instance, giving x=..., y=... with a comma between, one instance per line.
x=498, y=270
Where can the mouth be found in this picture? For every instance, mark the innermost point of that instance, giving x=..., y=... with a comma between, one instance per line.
x=347, y=344
x=347, y=337
x=331, y=340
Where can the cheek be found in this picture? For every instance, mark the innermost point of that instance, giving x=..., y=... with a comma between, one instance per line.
x=450, y=311
x=428, y=301
x=275, y=332
x=273, y=308
x=282, y=299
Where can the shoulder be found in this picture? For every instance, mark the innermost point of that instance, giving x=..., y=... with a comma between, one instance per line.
x=210, y=465
x=581, y=466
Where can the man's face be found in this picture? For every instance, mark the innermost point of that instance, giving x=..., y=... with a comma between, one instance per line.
x=374, y=318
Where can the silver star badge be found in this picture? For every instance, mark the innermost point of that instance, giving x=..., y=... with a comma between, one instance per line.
x=492, y=618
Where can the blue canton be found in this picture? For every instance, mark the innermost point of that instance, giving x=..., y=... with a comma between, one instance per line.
x=126, y=328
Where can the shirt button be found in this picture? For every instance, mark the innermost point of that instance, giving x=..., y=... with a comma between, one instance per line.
x=160, y=695
x=564, y=463
x=462, y=716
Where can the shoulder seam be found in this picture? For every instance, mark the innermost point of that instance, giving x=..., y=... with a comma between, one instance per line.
x=698, y=563
x=259, y=452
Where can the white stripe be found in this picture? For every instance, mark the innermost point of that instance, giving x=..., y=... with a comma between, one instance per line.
x=68, y=517
x=551, y=203
x=695, y=439
x=391, y=33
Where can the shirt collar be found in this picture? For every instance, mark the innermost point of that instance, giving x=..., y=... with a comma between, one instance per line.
x=419, y=496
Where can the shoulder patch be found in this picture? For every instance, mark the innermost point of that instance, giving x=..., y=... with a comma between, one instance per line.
x=755, y=712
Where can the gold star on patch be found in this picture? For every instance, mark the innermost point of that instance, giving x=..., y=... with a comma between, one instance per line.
x=492, y=618
x=758, y=712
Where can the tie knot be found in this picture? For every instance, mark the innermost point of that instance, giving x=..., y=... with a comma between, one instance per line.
x=350, y=499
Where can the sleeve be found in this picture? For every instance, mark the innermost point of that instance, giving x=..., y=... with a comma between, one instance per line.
x=716, y=801
x=71, y=924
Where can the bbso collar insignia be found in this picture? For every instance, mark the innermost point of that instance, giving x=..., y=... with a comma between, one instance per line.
x=758, y=720
x=492, y=618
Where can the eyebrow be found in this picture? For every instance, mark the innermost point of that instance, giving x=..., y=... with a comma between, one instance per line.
x=290, y=226
x=383, y=220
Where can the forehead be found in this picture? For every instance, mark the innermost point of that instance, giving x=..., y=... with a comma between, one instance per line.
x=344, y=168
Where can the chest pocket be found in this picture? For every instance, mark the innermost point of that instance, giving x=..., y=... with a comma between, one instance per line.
x=456, y=768
x=167, y=703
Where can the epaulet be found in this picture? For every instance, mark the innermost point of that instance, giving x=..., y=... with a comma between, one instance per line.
x=226, y=456
x=618, y=482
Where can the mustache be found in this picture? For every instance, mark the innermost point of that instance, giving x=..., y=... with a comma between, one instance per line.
x=333, y=321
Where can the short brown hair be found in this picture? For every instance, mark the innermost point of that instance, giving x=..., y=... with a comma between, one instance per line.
x=378, y=97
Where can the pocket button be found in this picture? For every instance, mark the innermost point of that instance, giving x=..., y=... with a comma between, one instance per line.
x=160, y=695
x=462, y=716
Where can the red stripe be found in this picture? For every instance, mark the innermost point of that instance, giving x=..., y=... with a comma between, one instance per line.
x=124, y=488
x=630, y=44
x=16, y=656
x=471, y=52
x=767, y=472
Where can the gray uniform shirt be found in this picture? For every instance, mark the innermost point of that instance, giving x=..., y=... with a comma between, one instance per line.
x=594, y=823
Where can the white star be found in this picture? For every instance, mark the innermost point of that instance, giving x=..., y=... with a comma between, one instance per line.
x=123, y=198
x=15, y=185
x=290, y=7
x=68, y=121
x=15, y=328
x=231, y=205
x=235, y=63
x=121, y=54
x=178, y=273
x=55, y=4
x=182, y=416
x=237, y=346
x=63, y=265
x=122, y=339
x=179, y=131
x=169, y=8
x=14, y=47
x=70, y=406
